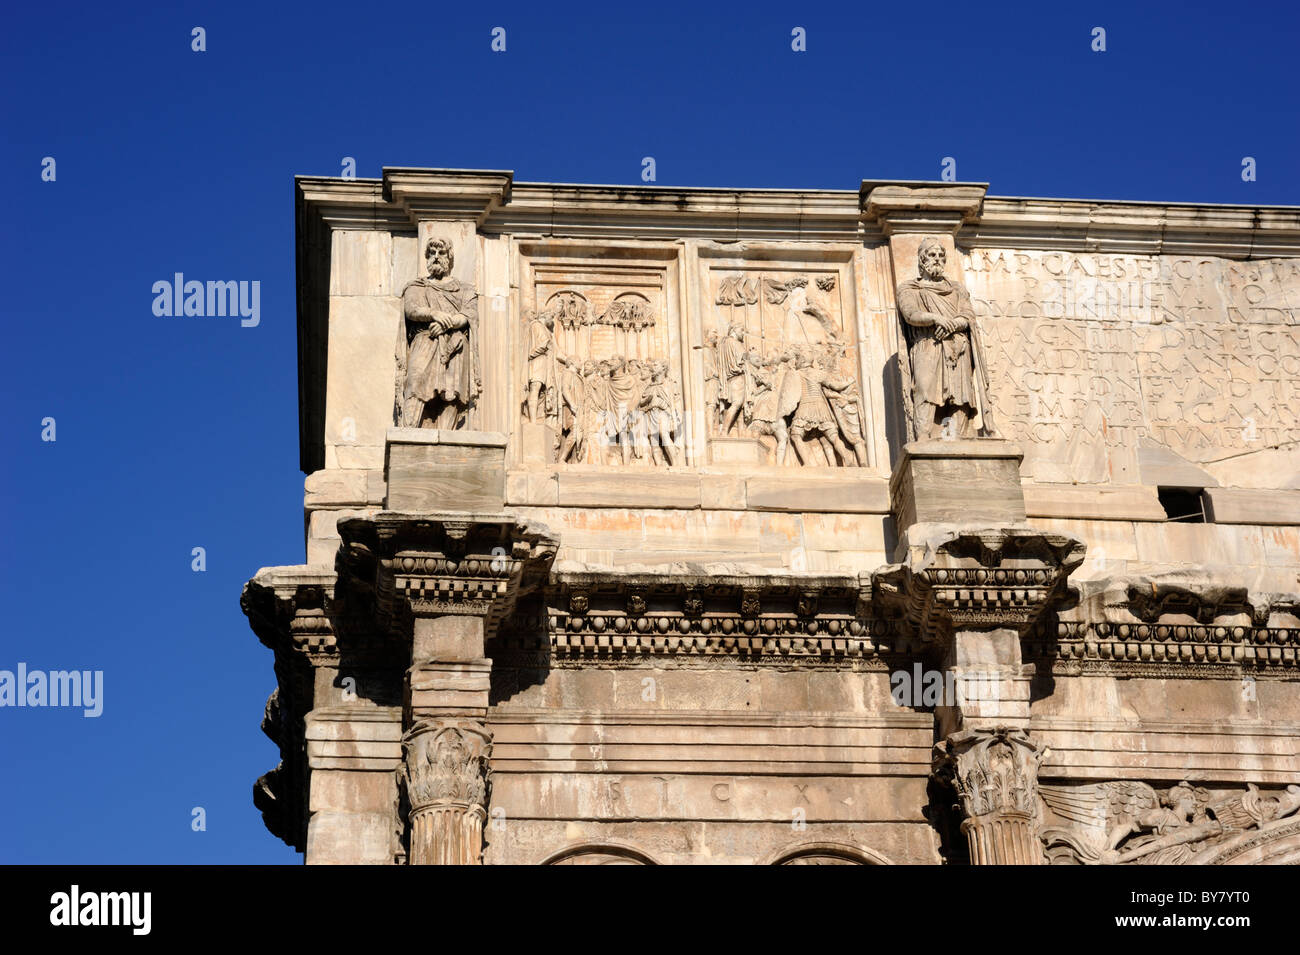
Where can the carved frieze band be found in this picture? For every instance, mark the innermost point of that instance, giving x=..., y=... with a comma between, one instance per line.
x=804, y=619
x=1198, y=623
x=1129, y=822
x=1160, y=643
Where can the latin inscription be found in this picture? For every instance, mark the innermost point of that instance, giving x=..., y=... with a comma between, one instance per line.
x=1199, y=354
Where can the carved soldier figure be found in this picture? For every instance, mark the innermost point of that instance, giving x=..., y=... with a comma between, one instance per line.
x=813, y=416
x=541, y=365
x=659, y=407
x=847, y=408
x=777, y=390
x=712, y=383
x=948, y=379
x=572, y=405
x=438, y=346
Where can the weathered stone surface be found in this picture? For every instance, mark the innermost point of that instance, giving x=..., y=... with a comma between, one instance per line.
x=957, y=481
x=432, y=470
x=768, y=492
x=1108, y=350
x=1243, y=506
x=1093, y=502
x=361, y=263
x=631, y=488
x=359, y=405
x=336, y=486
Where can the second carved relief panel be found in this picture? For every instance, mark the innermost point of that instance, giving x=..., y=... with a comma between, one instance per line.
x=781, y=365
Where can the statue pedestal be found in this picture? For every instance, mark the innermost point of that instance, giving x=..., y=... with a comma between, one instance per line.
x=737, y=451
x=537, y=440
x=427, y=469
x=961, y=481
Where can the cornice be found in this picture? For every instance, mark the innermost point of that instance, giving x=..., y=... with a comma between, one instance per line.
x=498, y=205
x=897, y=207
x=668, y=213
x=1139, y=228
x=347, y=204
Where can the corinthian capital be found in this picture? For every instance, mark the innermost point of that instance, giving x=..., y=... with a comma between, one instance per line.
x=992, y=771
x=446, y=764
x=445, y=773
x=994, y=775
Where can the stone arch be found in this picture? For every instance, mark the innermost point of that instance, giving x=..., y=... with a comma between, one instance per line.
x=598, y=853
x=827, y=853
x=1276, y=843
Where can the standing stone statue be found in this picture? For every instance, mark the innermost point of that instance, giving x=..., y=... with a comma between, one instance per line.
x=948, y=387
x=437, y=349
x=572, y=404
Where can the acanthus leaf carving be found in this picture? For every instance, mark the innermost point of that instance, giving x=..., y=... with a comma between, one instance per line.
x=445, y=763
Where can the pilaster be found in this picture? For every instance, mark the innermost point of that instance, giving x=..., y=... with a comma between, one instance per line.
x=443, y=581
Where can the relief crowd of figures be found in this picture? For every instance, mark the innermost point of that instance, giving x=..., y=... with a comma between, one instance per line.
x=794, y=395
x=610, y=411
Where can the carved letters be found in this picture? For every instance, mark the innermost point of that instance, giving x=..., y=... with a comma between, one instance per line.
x=1091, y=354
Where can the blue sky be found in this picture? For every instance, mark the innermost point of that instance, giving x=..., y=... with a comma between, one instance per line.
x=175, y=433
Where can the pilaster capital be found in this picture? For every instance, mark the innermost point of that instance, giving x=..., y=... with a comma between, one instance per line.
x=992, y=770
x=975, y=578
x=446, y=763
x=994, y=774
x=438, y=564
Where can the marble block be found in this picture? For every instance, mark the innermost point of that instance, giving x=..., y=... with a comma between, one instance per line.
x=427, y=469
x=958, y=481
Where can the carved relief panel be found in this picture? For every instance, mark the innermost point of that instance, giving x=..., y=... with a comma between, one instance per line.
x=601, y=352
x=781, y=365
